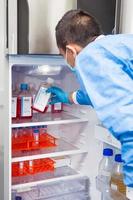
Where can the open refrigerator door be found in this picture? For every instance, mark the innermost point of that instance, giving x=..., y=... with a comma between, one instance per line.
x=55, y=155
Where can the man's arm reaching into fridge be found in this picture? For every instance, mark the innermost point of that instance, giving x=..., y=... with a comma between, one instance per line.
x=76, y=97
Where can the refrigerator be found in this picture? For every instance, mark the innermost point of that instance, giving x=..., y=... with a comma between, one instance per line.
x=79, y=135
x=80, y=138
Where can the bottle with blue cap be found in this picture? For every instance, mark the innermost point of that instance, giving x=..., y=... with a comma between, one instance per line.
x=105, y=169
x=116, y=182
x=36, y=136
x=18, y=198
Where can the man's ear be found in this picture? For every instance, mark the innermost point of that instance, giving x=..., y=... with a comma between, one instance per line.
x=71, y=47
x=74, y=48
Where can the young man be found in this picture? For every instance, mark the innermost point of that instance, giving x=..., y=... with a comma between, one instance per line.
x=104, y=68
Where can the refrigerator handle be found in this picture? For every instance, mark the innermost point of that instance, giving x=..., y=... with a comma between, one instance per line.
x=12, y=26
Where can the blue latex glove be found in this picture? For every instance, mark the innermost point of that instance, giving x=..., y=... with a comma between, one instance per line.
x=58, y=95
x=82, y=98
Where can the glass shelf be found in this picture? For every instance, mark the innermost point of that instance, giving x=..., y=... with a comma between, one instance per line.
x=62, y=148
x=57, y=189
x=39, y=119
x=33, y=180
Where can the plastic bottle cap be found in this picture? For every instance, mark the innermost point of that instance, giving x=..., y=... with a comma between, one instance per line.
x=44, y=126
x=36, y=131
x=50, y=81
x=118, y=158
x=24, y=86
x=18, y=198
x=107, y=152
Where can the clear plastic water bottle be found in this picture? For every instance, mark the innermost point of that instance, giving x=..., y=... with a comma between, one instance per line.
x=105, y=169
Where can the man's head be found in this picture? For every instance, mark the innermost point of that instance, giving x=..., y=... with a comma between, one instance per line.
x=74, y=31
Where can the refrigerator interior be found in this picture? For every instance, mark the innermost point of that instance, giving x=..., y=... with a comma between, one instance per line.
x=76, y=128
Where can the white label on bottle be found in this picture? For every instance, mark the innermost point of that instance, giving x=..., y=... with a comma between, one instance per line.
x=26, y=103
x=57, y=106
x=105, y=173
x=14, y=107
x=113, y=186
x=41, y=99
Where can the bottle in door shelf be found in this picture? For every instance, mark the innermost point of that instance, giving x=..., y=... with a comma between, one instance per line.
x=105, y=165
x=40, y=103
x=117, y=176
x=24, y=102
x=105, y=169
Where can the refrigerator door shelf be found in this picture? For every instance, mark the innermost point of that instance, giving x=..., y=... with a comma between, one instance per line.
x=104, y=135
x=108, y=193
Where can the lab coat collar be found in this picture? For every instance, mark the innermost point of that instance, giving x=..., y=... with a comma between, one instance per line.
x=99, y=37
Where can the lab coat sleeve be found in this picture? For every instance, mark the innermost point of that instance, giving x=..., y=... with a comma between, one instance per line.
x=79, y=97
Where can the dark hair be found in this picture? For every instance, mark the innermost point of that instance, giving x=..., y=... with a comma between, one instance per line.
x=76, y=26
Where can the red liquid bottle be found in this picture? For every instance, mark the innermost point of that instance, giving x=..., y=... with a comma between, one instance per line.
x=24, y=102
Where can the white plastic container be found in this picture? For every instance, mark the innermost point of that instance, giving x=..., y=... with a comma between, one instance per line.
x=41, y=100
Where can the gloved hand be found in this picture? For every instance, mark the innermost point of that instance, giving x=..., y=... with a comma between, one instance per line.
x=82, y=98
x=58, y=95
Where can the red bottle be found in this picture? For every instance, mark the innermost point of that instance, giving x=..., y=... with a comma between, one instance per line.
x=24, y=102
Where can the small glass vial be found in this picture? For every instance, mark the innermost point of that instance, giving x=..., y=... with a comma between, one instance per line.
x=31, y=167
x=36, y=137
x=57, y=107
x=21, y=168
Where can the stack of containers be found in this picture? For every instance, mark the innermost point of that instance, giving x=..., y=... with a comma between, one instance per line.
x=26, y=139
